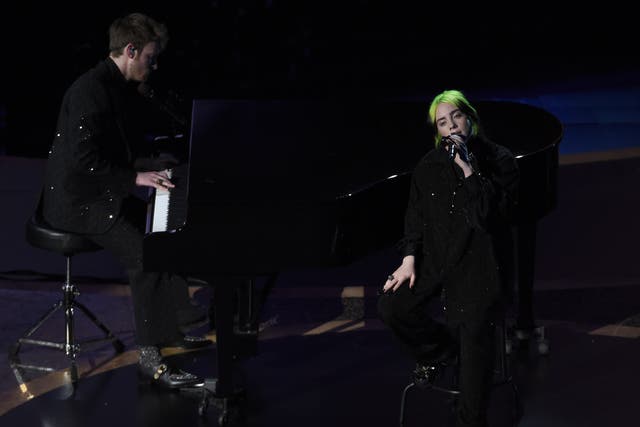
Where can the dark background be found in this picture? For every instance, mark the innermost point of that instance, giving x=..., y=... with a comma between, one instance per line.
x=298, y=48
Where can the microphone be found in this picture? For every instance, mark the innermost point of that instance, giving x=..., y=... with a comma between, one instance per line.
x=451, y=149
x=147, y=91
x=460, y=148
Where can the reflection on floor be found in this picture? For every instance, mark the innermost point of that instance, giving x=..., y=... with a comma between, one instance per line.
x=349, y=372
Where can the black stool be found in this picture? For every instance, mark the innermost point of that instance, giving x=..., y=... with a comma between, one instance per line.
x=40, y=235
x=502, y=376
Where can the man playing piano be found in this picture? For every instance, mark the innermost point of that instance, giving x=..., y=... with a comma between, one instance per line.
x=91, y=177
x=461, y=196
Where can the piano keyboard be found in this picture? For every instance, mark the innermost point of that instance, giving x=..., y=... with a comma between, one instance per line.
x=161, y=208
x=167, y=209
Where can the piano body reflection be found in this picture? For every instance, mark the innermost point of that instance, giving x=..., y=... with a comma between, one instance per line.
x=273, y=185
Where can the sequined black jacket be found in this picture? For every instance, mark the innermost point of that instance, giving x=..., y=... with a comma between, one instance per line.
x=90, y=167
x=454, y=225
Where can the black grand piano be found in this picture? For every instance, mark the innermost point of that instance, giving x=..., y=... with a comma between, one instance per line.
x=272, y=185
x=533, y=135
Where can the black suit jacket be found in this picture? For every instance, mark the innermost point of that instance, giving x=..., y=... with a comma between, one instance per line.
x=90, y=169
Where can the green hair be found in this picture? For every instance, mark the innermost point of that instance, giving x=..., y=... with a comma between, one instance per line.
x=457, y=98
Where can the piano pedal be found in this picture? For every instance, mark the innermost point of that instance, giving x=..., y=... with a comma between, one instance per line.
x=246, y=329
x=245, y=342
x=229, y=409
x=523, y=337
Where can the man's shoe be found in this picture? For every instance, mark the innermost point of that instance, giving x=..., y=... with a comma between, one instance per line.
x=164, y=376
x=425, y=375
x=189, y=342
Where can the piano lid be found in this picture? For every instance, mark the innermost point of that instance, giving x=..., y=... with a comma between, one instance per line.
x=533, y=136
x=318, y=150
x=524, y=129
x=342, y=144
x=301, y=149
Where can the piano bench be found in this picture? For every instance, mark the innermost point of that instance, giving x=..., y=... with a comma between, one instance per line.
x=40, y=235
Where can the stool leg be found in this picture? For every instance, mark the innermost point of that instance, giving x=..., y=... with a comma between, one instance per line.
x=518, y=411
x=502, y=350
x=74, y=373
x=71, y=348
x=403, y=402
x=69, y=292
x=25, y=338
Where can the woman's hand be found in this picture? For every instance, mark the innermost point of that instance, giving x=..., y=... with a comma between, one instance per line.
x=405, y=272
x=466, y=167
x=158, y=180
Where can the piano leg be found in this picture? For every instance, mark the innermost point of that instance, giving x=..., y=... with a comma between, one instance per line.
x=235, y=312
x=250, y=303
x=223, y=312
x=246, y=307
x=525, y=327
x=526, y=251
x=228, y=396
x=246, y=329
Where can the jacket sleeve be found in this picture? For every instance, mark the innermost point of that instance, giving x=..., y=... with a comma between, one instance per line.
x=492, y=193
x=96, y=141
x=411, y=243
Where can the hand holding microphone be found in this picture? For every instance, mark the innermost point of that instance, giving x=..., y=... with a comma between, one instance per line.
x=457, y=145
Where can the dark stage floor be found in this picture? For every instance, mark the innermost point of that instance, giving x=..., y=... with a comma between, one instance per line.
x=354, y=376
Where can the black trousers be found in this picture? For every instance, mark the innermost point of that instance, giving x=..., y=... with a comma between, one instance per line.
x=406, y=312
x=156, y=295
